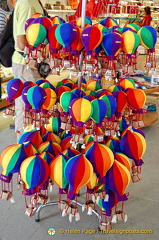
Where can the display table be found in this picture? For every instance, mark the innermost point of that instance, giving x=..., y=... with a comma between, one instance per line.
x=150, y=118
x=151, y=90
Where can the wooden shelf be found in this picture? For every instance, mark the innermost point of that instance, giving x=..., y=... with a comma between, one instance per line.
x=6, y=79
x=151, y=90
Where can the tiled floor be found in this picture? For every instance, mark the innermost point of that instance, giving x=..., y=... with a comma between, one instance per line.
x=142, y=207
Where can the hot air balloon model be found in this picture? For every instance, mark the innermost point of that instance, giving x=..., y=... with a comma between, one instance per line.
x=119, y=183
x=101, y=158
x=36, y=103
x=34, y=172
x=65, y=100
x=54, y=46
x=121, y=99
x=11, y=159
x=36, y=34
x=78, y=171
x=80, y=111
x=148, y=39
x=133, y=145
x=112, y=45
x=57, y=175
x=76, y=47
x=136, y=99
x=65, y=34
x=14, y=90
x=91, y=38
x=106, y=210
x=131, y=42
x=98, y=115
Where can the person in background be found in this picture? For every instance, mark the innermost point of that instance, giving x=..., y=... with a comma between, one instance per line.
x=146, y=21
x=3, y=19
x=24, y=9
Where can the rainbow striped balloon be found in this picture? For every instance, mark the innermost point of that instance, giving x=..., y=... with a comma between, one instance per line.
x=118, y=178
x=102, y=159
x=34, y=172
x=57, y=174
x=52, y=147
x=133, y=145
x=80, y=110
x=78, y=172
x=36, y=34
x=11, y=159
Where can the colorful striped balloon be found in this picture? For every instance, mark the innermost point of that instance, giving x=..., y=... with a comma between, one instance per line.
x=52, y=147
x=36, y=34
x=148, y=37
x=48, y=157
x=109, y=22
x=34, y=172
x=65, y=143
x=31, y=136
x=40, y=81
x=118, y=178
x=46, y=85
x=78, y=172
x=93, y=85
x=36, y=97
x=101, y=158
x=111, y=104
x=107, y=206
x=70, y=152
x=112, y=44
x=65, y=34
x=102, y=28
x=126, y=83
x=91, y=38
x=136, y=98
x=11, y=159
x=92, y=183
x=54, y=125
x=64, y=134
x=113, y=144
x=50, y=136
x=80, y=110
x=121, y=99
x=133, y=145
x=80, y=93
x=122, y=158
x=28, y=22
x=25, y=99
x=30, y=149
x=44, y=21
x=133, y=26
x=114, y=88
x=54, y=45
x=57, y=20
x=57, y=172
x=50, y=99
x=88, y=21
x=77, y=44
x=65, y=100
x=99, y=110
x=14, y=89
x=131, y=42
x=61, y=89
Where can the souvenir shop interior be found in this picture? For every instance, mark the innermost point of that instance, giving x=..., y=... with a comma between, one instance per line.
x=85, y=165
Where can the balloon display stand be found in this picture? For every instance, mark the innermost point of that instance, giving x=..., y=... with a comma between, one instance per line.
x=37, y=214
x=77, y=133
